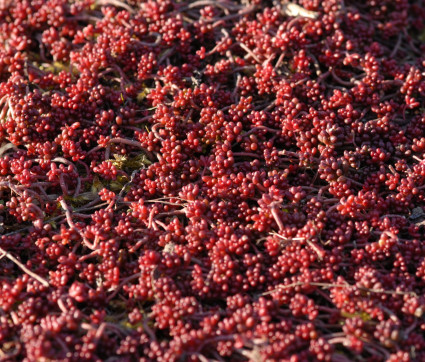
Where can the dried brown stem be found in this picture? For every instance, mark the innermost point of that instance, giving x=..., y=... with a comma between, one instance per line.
x=68, y=215
x=6, y=254
x=331, y=285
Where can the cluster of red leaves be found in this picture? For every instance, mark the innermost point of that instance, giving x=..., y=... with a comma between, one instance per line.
x=212, y=180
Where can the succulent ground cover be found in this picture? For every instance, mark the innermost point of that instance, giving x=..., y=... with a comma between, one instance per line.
x=212, y=180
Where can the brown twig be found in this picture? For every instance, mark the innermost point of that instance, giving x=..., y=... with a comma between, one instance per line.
x=6, y=254
x=68, y=215
x=331, y=285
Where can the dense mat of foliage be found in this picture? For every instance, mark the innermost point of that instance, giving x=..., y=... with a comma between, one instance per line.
x=212, y=180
